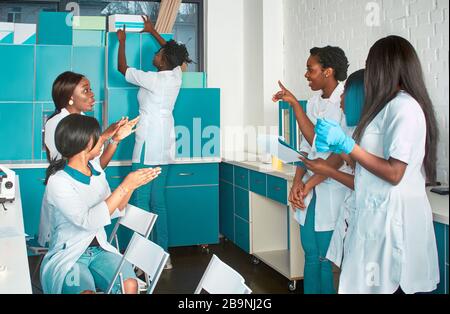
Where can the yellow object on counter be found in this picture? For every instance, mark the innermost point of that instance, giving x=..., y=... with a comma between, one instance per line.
x=277, y=164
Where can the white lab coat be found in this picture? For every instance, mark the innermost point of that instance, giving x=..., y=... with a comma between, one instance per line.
x=49, y=133
x=78, y=213
x=391, y=241
x=329, y=194
x=157, y=96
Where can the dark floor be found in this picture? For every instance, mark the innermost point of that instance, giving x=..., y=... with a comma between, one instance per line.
x=189, y=264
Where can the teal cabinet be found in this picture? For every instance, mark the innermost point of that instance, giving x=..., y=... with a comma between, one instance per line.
x=32, y=190
x=258, y=183
x=193, y=174
x=17, y=73
x=90, y=62
x=122, y=103
x=54, y=28
x=441, y=232
x=132, y=50
x=226, y=172
x=16, y=121
x=197, y=122
x=51, y=61
x=277, y=189
x=241, y=203
x=193, y=215
x=242, y=236
x=226, y=201
x=115, y=175
x=241, y=176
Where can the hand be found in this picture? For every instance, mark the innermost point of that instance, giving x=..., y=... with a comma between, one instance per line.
x=140, y=177
x=305, y=192
x=331, y=138
x=113, y=128
x=284, y=95
x=318, y=166
x=295, y=196
x=125, y=130
x=148, y=25
x=122, y=35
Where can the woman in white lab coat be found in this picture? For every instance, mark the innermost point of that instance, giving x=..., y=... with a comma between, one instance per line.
x=80, y=204
x=72, y=94
x=155, y=135
x=390, y=244
x=326, y=68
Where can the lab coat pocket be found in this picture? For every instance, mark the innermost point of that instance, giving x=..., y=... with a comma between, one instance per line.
x=371, y=224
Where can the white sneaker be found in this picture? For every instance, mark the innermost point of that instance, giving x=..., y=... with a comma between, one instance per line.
x=168, y=264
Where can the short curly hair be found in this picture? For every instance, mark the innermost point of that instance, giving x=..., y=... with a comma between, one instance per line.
x=175, y=54
x=332, y=57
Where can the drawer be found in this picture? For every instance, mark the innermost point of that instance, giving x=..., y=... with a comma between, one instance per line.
x=115, y=175
x=277, y=189
x=242, y=236
x=241, y=177
x=258, y=183
x=193, y=174
x=226, y=172
x=241, y=203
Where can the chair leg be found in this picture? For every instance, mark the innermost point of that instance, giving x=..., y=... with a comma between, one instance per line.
x=37, y=267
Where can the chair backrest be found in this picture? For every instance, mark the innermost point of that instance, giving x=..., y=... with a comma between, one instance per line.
x=147, y=256
x=137, y=220
x=219, y=278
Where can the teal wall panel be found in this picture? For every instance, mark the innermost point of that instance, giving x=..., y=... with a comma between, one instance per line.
x=51, y=61
x=16, y=72
x=82, y=38
x=16, y=121
x=90, y=61
x=54, y=28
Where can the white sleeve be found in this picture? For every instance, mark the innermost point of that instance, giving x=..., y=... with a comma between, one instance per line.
x=72, y=206
x=140, y=78
x=404, y=125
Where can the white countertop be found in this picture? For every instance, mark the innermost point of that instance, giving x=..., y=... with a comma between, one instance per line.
x=439, y=204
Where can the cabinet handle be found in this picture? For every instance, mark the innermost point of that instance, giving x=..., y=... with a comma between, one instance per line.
x=242, y=177
x=185, y=174
x=259, y=181
x=277, y=188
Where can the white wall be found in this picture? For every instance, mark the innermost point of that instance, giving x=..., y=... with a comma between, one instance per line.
x=309, y=23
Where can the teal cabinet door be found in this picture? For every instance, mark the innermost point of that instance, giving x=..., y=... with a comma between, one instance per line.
x=241, y=203
x=17, y=73
x=133, y=48
x=258, y=183
x=54, y=28
x=241, y=176
x=115, y=175
x=90, y=61
x=16, y=121
x=277, y=189
x=122, y=103
x=226, y=209
x=193, y=174
x=193, y=215
x=242, y=236
x=442, y=247
x=197, y=122
x=51, y=61
x=32, y=190
x=226, y=172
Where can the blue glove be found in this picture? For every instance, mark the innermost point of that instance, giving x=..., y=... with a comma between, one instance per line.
x=331, y=138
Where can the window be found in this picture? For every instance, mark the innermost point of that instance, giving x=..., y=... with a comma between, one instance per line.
x=188, y=27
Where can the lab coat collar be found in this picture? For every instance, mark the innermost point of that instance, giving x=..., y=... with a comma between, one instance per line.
x=81, y=177
x=336, y=95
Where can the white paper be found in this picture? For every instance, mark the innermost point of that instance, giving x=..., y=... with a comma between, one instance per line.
x=10, y=232
x=300, y=215
x=270, y=144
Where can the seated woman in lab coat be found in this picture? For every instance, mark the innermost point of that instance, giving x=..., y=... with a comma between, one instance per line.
x=390, y=245
x=352, y=103
x=80, y=204
x=72, y=94
x=155, y=136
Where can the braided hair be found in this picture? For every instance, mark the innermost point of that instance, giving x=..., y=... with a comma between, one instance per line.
x=175, y=54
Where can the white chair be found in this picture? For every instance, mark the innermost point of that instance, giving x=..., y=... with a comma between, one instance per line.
x=146, y=255
x=135, y=219
x=219, y=278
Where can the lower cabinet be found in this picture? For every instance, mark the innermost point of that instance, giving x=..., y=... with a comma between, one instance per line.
x=441, y=232
x=242, y=234
x=226, y=201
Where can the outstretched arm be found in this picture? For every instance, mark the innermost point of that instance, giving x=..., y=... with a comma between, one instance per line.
x=122, y=59
x=150, y=28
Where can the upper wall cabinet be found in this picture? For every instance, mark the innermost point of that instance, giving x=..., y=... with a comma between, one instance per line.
x=16, y=72
x=51, y=61
x=90, y=61
x=54, y=28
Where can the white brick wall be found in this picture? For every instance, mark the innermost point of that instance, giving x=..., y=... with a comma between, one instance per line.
x=310, y=23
